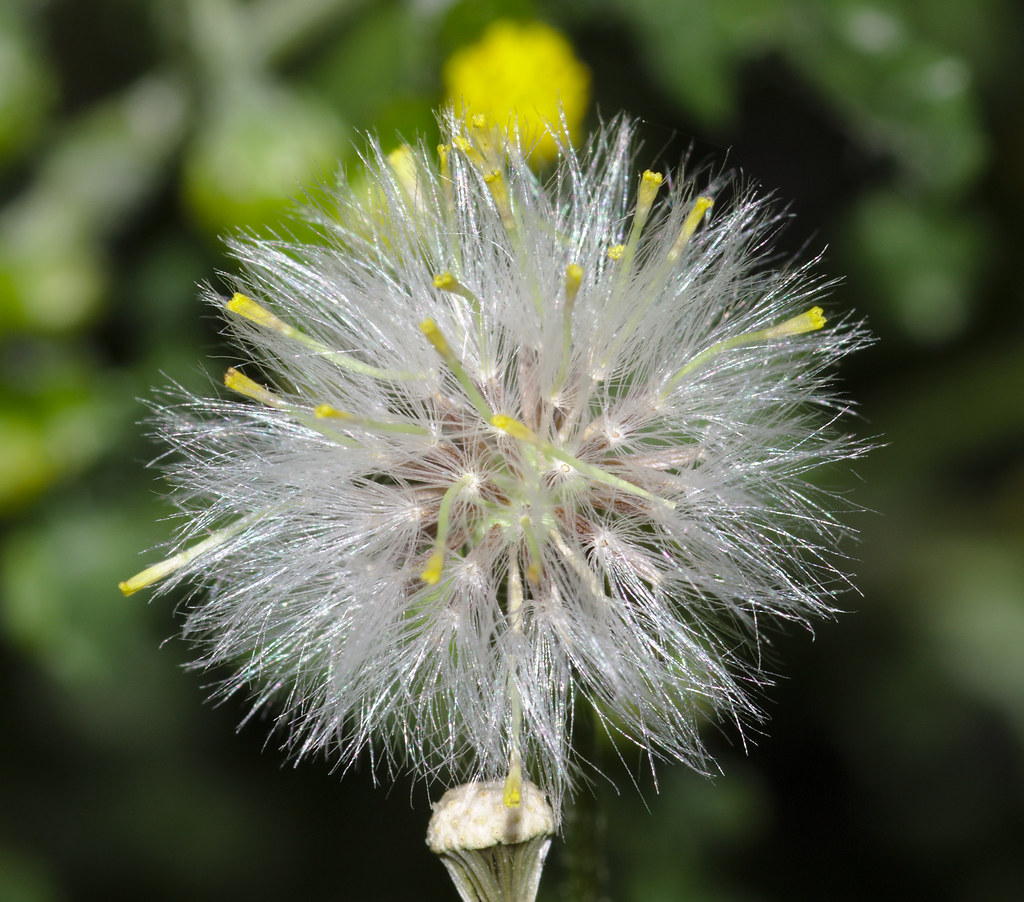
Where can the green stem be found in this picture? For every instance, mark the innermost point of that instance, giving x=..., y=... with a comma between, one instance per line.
x=584, y=854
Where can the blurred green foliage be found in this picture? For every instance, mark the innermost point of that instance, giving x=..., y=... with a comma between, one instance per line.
x=133, y=133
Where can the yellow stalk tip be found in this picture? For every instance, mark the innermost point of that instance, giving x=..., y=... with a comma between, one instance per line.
x=242, y=384
x=513, y=791
x=495, y=181
x=808, y=321
x=472, y=154
x=432, y=572
x=400, y=154
x=573, y=277
x=445, y=281
x=650, y=182
x=152, y=574
x=616, y=251
x=141, y=580
x=325, y=410
x=403, y=163
x=236, y=381
x=512, y=426
x=429, y=328
x=246, y=307
x=693, y=219
x=239, y=302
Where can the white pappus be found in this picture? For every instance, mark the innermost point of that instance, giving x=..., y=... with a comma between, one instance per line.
x=515, y=447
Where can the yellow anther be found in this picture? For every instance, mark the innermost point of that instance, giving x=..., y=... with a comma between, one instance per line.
x=472, y=154
x=432, y=572
x=242, y=384
x=404, y=164
x=513, y=781
x=325, y=410
x=534, y=569
x=512, y=792
x=808, y=321
x=252, y=311
x=444, y=167
x=624, y=254
x=150, y=575
x=447, y=282
x=573, y=277
x=489, y=140
x=248, y=308
x=499, y=191
x=513, y=427
x=518, y=430
x=429, y=328
x=163, y=569
x=650, y=182
x=693, y=219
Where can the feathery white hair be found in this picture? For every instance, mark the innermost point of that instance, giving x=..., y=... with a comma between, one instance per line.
x=528, y=445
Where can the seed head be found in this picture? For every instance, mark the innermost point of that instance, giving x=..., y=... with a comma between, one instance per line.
x=509, y=449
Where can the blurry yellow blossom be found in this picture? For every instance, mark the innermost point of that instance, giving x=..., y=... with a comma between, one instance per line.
x=518, y=74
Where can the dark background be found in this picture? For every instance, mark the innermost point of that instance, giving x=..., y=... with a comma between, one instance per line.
x=133, y=133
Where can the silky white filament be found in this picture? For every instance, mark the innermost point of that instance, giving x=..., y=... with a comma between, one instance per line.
x=485, y=381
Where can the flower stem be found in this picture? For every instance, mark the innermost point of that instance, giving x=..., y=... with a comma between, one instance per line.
x=585, y=868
